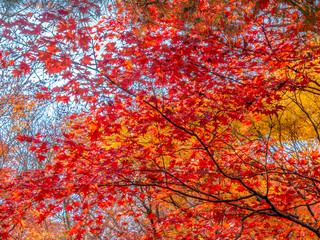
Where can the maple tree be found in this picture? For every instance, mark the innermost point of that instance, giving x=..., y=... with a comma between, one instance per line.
x=181, y=121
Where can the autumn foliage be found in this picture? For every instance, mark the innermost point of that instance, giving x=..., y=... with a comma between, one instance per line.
x=180, y=119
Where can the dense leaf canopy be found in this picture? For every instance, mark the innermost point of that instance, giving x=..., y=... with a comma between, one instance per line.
x=181, y=119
